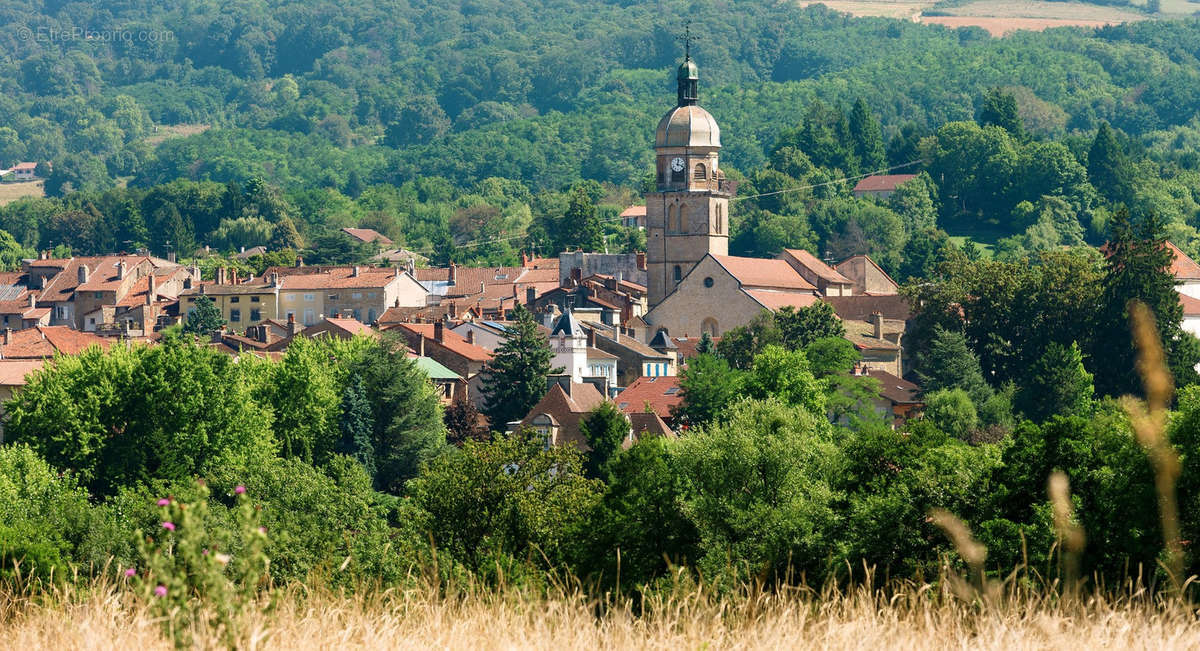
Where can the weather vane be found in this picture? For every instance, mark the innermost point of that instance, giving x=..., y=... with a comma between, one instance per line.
x=687, y=39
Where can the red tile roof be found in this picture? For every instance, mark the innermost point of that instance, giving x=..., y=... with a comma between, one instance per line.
x=822, y=270
x=859, y=308
x=661, y=393
x=14, y=371
x=896, y=389
x=339, y=278
x=776, y=300
x=757, y=272
x=1183, y=267
x=451, y=341
x=633, y=211
x=883, y=182
x=567, y=411
x=1191, y=306
x=44, y=341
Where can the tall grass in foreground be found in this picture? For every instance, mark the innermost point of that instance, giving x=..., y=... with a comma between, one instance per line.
x=918, y=616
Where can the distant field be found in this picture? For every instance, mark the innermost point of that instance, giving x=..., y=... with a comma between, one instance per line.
x=1180, y=7
x=10, y=192
x=176, y=131
x=986, y=250
x=1004, y=16
x=898, y=9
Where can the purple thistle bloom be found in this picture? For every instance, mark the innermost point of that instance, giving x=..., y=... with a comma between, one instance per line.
x=131, y=572
x=169, y=526
x=240, y=489
x=164, y=501
x=160, y=591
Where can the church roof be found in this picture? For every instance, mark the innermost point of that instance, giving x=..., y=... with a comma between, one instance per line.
x=567, y=324
x=762, y=273
x=687, y=126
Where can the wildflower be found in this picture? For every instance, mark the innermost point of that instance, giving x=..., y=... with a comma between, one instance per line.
x=160, y=591
x=131, y=572
x=204, y=551
x=169, y=526
x=262, y=530
x=240, y=489
x=164, y=501
x=223, y=559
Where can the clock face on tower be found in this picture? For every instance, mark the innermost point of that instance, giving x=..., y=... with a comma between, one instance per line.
x=677, y=164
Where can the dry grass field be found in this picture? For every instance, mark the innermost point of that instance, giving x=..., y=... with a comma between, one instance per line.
x=1000, y=17
x=919, y=617
x=1002, y=26
x=891, y=9
x=13, y=190
x=175, y=131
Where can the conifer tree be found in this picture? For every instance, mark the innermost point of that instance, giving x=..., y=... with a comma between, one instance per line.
x=950, y=364
x=1000, y=109
x=1059, y=385
x=356, y=425
x=581, y=226
x=605, y=429
x=204, y=317
x=1108, y=168
x=867, y=138
x=515, y=380
x=706, y=344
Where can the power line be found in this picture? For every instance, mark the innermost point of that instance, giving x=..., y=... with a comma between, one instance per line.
x=475, y=243
x=819, y=185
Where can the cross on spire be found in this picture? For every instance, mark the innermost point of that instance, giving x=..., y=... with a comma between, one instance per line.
x=687, y=39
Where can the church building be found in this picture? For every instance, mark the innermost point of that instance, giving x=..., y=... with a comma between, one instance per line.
x=694, y=285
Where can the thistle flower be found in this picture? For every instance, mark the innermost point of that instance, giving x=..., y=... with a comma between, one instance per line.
x=164, y=502
x=131, y=572
x=239, y=490
x=169, y=526
x=160, y=591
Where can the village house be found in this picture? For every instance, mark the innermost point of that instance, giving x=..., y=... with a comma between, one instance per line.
x=634, y=217
x=660, y=395
x=44, y=342
x=899, y=400
x=868, y=277
x=634, y=359
x=368, y=236
x=89, y=293
x=573, y=347
x=364, y=293
x=881, y=186
x=450, y=386
x=827, y=280
x=243, y=304
x=24, y=171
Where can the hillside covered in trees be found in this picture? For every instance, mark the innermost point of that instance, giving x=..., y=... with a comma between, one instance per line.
x=450, y=124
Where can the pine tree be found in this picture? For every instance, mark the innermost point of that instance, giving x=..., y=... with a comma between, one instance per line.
x=705, y=345
x=1138, y=268
x=356, y=425
x=605, y=429
x=204, y=317
x=1108, y=168
x=1000, y=109
x=867, y=137
x=286, y=236
x=581, y=226
x=950, y=364
x=1060, y=385
x=515, y=380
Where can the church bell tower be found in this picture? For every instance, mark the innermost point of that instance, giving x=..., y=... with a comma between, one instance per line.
x=687, y=216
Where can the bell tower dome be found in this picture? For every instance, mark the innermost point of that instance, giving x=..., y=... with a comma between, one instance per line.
x=687, y=216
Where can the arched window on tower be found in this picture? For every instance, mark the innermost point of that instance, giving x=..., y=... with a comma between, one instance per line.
x=678, y=273
x=683, y=223
x=701, y=173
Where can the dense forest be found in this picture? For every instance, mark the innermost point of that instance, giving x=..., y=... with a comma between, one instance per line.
x=444, y=125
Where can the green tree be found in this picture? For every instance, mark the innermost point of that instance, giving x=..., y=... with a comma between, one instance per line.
x=706, y=345
x=867, y=137
x=831, y=356
x=203, y=317
x=515, y=380
x=1000, y=109
x=952, y=411
x=1109, y=170
x=803, y=326
x=739, y=345
x=581, y=226
x=1138, y=268
x=759, y=490
x=1060, y=385
x=407, y=414
x=605, y=428
x=708, y=386
x=915, y=201
x=784, y=375
x=950, y=364
x=285, y=235
x=356, y=426
x=499, y=505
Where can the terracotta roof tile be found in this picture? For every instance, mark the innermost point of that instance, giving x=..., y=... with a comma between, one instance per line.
x=14, y=371
x=757, y=272
x=1183, y=267
x=1191, y=306
x=340, y=278
x=661, y=393
x=776, y=300
x=368, y=235
x=822, y=270
x=44, y=341
x=896, y=389
x=451, y=341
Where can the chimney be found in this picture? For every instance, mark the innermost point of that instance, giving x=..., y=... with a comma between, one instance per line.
x=7, y=336
x=243, y=249
x=292, y=326
x=616, y=332
x=438, y=330
x=233, y=276
x=32, y=300
x=354, y=273
x=420, y=345
x=482, y=287
x=470, y=336
x=220, y=275
x=591, y=337
x=45, y=255
x=877, y=319
x=641, y=260
x=396, y=271
x=171, y=257
x=274, y=278
x=530, y=295
x=121, y=270
x=412, y=267
x=196, y=272
x=153, y=292
x=453, y=274
x=524, y=260
x=453, y=310
x=83, y=274
x=261, y=333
